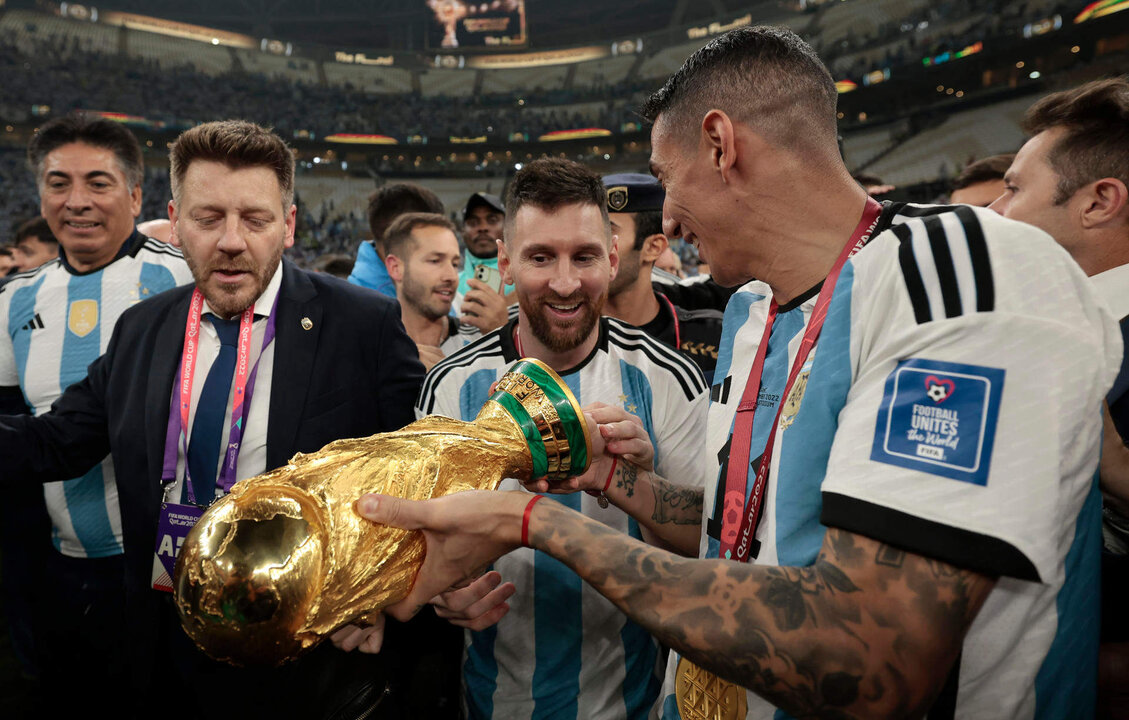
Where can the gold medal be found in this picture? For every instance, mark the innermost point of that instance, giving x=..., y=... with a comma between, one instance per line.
x=701, y=695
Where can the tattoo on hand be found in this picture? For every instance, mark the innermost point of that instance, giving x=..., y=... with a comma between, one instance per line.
x=627, y=479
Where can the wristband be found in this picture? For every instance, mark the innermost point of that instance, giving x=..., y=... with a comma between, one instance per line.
x=525, y=520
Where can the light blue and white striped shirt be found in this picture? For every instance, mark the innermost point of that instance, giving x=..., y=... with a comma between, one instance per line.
x=54, y=322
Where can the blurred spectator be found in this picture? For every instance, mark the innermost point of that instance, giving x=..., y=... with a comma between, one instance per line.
x=335, y=264
x=384, y=206
x=35, y=244
x=7, y=261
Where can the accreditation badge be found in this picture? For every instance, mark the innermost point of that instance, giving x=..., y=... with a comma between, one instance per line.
x=701, y=695
x=173, y=525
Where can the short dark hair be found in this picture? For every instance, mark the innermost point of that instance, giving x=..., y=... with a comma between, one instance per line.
x=392, y=201
x=38, y=228
x=764, y=77
x=6, y=251
x=550, y=183
x=1096, y=142
x=647, y=223
x=985, y=170
x=93, y=131
x=398, y=239
x=237, y=144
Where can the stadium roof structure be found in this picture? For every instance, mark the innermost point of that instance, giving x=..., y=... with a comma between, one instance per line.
x=404, y=24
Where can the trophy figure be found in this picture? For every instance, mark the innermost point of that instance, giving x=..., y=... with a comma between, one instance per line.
x=274, y=567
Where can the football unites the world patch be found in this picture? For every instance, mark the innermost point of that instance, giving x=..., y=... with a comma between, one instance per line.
x=940, y=418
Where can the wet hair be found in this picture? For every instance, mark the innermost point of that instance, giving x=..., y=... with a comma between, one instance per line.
x=985, y=170
x=88, y=130
x=392, y=201
x=237, y=144
x=551, y=183
x=398, y=238
x=764, y=77
x=1095, y=144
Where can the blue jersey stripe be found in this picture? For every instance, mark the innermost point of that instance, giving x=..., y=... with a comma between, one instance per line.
x=154, y=279
x=480, y=670
x=82, y=339
x=637, y=390
x=735, y=317
x=480, y=673
x=1066, y=685
x=558, y=622
x=475, y=392
x=86, y=501
x=20, y=312
x=805, y=446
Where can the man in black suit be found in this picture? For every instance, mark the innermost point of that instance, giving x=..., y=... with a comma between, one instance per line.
x=339, y=365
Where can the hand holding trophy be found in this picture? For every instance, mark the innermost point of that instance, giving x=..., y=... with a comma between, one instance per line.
x=273, y=568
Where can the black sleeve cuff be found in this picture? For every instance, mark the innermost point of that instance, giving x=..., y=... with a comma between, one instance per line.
x=956, y=546
x=12, y=401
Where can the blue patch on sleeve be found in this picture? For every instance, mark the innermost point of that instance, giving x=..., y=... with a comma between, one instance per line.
x=939, y=418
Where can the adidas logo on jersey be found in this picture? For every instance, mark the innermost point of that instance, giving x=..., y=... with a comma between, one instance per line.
x=36, y=323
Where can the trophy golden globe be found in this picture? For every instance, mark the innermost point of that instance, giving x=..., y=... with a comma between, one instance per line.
x=274, y=567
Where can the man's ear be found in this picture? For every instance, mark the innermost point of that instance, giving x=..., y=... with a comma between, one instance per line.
x=653, y=247
x=174, y=237
x=1106, y=202
x=720, y=139
x=395, y=268
x=504, y=264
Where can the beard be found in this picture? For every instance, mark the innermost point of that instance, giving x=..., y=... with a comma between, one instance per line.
x=555, y=335
x=227, y=300
x=419, y=297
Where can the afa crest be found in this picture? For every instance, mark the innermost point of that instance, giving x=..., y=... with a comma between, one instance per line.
x=83, y=317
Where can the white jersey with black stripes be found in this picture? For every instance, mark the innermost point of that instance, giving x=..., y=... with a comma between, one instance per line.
x=951, y=408
x=563, y=650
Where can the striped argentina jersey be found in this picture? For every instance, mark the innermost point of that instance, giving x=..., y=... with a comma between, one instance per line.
x=951, y=408
x=54, y=322
x=563, y=651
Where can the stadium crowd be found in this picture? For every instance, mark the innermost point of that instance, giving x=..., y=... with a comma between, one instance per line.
x=868, y=461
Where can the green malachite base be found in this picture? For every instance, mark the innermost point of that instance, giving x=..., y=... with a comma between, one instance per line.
x=549, y=416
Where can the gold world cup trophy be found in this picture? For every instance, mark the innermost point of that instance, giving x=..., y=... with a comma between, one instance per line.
x=276, y=566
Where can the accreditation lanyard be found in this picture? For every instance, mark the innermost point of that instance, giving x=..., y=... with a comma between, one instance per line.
x=736, y=546
x=243, y=382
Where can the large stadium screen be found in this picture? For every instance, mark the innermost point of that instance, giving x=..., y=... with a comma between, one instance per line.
x=493, y=24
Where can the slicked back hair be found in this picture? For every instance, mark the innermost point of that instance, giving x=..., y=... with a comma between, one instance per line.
x=237, y=144
x=391, y=201
x=96, y=132
x=764, y=77
x=398, y=238
x=550, y=183
x=984, y=170
x=1095, y=145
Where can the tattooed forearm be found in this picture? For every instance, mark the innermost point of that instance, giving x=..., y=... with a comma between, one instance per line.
x=865, y=631
x=628, y=476
x=676, y=504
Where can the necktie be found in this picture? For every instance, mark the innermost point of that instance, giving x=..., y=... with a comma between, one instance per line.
x=207, y=423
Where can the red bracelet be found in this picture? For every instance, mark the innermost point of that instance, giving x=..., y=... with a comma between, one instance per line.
x=525, y=520
x=608, y=484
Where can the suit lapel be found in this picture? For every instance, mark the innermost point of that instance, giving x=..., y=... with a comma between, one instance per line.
x=162, y=377
x=297, y=330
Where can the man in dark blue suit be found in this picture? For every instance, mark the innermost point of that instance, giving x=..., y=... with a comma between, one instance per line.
x=267, y=360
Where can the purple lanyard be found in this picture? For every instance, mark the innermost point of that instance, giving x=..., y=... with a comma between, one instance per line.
x=176, y=436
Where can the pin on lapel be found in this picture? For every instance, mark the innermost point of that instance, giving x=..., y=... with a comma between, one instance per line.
x=307, y=324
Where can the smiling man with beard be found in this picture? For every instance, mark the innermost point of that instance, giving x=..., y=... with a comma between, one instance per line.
x=423, y=261
x=560, y=648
